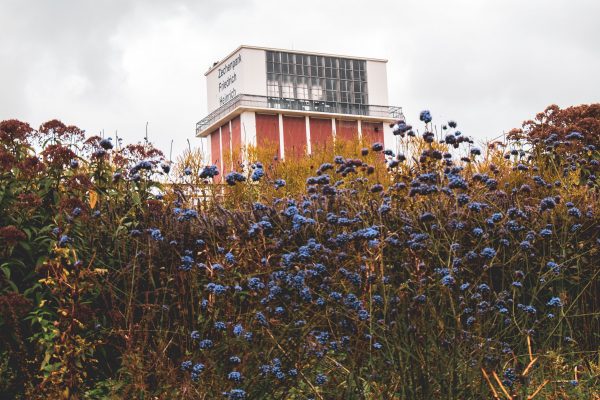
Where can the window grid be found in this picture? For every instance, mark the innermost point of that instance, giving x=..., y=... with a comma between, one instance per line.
x=340, y=82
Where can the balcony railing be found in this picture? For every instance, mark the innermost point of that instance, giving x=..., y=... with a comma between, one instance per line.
x=278, y=103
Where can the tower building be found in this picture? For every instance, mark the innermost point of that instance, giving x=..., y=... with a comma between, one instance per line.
x=293, y=101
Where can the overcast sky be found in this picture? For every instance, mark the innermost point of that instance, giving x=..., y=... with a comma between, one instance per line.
x=112, y=65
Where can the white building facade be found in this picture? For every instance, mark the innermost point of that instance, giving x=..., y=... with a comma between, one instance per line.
x=293, y=101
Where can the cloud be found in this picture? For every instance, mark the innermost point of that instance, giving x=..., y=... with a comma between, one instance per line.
x=114, y=65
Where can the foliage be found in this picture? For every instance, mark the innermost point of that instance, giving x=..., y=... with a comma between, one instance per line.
x=431, y=270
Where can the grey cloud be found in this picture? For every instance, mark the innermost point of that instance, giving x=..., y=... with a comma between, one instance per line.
x=114, y=65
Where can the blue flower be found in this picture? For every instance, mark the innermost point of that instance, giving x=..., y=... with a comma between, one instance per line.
x=425, y=116
x=234, y=376
x=255, y=284
x=257, y=174
x=209, y=171
x=64, y=240
x=155, y=234
x=574, y=135
x=186, y=365
x=547, y=203
x=220, y=326
x=363, y=315
x=555, y=302
x=235, y=394
x=206, y=344
x=488, y=253
x=320, y=379
x=238, y=330
x=106, y=144
x=233, y=177
x=448, y=280
x=198, y=367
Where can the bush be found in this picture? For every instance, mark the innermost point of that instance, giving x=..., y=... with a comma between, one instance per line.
x=428, y=271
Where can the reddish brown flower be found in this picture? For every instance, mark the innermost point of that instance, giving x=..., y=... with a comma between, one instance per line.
x=558, y=123
x=58, y=130
x=31, y=166
x=12, y=235
x=12, y=130
x=7, y=160
x=57, y=155
x=28, y=201
x=79, y=182
x=13, y=307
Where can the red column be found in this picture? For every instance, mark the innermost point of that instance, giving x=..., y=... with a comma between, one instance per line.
x=236, y=142
x=294, y=136
x=321, y=136
x=215, y=152
x=267, y=134
x=226, y=148
x=346, y=130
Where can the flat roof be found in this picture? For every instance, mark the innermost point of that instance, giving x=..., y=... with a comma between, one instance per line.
x=312, y=53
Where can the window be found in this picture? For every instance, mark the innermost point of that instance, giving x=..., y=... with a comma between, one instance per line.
x=339, y=82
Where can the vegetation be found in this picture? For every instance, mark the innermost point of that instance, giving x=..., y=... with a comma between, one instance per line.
x=432, y=270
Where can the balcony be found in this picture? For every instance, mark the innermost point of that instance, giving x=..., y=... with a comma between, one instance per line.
x=251, y=102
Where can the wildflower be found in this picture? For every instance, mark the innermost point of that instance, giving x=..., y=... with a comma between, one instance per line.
x=233, y=177
x=235, y=394
x=238, y=330
x=546, y=233
x=547, y=203
x=234, y=376
x=279, y=183
x=106, y=144
x=574, y=135
x=475, y=151
x=257, y=174
x=186, y=365
x=448, y=280
x=420, y=298
x=206, y=344
x=64, y=240
x=555, y=302
x=363, y=315
x=255, y=284
x=209, y=171
x=198, y=367
x=320, y=379
x=220, y=326
x=155, y=234
x=377, y=147
x=425, y=116
x=488, y=253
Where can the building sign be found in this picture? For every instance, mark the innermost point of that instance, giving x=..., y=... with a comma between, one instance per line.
x=227, y=80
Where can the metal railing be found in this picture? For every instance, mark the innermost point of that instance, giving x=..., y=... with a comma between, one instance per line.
x=278, y=103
